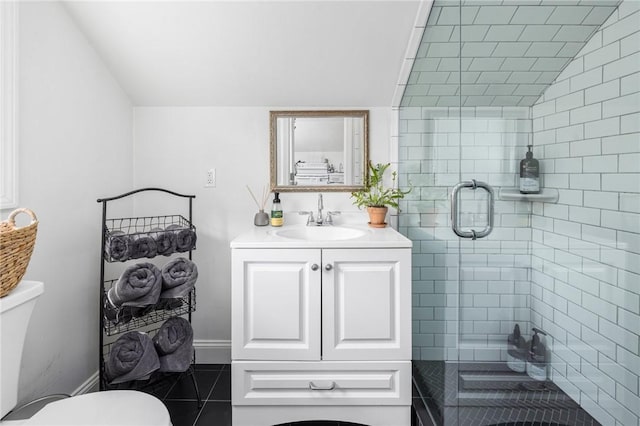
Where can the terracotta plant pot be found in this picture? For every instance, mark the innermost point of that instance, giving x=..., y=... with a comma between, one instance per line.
x=377, y=216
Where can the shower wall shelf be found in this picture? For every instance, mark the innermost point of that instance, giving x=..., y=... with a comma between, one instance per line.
x=150, y=318
x=546, y=195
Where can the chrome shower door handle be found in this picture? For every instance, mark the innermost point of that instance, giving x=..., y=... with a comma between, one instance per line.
x=455, y=213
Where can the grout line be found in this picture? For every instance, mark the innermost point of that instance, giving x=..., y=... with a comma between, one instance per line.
x=206, y=399
x=164, y=396
x=214, y=386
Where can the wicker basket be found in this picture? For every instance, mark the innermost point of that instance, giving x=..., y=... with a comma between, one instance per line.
x=16, y=246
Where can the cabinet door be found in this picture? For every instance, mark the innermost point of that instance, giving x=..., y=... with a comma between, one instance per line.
x=275, y=304
x=366, y=304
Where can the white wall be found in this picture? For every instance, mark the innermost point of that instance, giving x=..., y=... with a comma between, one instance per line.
x=175, y=146
x=81, y=139
x=75, y=126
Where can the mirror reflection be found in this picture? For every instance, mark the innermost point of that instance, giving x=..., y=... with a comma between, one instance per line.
x=318, y=150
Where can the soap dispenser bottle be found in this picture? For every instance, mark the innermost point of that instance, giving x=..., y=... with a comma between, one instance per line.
x=277, y=218
x=517, y=351
x=537, y=360
x=529, y=174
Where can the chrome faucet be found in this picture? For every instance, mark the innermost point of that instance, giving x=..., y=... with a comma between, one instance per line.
x=320, y=207
x=319, y=219
x=328, y=220
x=310, y=219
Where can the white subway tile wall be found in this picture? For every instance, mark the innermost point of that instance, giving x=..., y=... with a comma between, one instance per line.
x=571, y=268
x=510, y=51
x=602, y=257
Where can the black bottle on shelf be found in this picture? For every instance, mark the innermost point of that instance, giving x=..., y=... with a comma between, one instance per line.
x=529, y=174
x=516, y=351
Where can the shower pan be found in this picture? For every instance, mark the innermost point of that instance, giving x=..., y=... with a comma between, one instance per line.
x=490, y=78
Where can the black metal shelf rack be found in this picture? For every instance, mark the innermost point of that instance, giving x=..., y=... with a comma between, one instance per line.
x=133, y=227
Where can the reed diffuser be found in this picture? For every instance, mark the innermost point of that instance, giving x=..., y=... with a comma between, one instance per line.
x=261, y=218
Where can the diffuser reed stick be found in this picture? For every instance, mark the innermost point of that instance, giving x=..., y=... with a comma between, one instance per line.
x=263, y=200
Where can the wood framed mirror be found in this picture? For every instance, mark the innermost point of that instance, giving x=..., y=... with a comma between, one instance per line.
x=314, y=151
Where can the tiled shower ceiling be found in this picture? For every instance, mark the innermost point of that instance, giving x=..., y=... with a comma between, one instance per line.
x=510, y=51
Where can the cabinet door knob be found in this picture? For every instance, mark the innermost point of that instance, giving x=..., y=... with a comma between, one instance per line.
x=328, y=267
x=313, y=386
x=314, y=267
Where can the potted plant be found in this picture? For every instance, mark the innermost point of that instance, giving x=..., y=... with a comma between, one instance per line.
x=375, y=197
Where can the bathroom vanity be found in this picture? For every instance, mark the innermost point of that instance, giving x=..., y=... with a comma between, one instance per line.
x=321, y=326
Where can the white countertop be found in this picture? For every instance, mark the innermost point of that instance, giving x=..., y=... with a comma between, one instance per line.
x=266, y=237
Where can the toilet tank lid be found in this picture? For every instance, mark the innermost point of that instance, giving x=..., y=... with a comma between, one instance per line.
x=113, y=408
x=23, y=292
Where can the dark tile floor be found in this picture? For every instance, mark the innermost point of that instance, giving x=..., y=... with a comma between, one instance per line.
x=214, y=383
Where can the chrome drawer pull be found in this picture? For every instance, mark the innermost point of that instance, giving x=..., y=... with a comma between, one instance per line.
x=312, y=386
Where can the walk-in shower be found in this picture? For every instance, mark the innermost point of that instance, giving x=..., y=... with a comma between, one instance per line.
x=489, y=78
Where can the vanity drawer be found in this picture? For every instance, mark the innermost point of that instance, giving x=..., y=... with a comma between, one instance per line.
x=321, y=383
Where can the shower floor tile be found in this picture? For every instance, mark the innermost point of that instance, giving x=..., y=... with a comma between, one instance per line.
x=489, y=394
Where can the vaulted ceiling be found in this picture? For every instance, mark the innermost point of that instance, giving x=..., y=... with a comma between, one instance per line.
x=499, y=53
x=336, y=52
x=251, y=53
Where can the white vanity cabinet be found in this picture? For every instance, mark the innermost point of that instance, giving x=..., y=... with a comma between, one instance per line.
x=321, y=334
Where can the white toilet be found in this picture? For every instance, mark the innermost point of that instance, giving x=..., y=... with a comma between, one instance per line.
x=111, y=408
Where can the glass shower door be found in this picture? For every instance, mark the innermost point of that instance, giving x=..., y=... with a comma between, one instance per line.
x=430, y=161
x=493, y=271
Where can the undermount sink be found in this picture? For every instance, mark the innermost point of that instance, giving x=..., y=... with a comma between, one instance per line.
x=320, y=233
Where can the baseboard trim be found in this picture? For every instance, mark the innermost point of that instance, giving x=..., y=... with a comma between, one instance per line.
x=89, y=385
x=212, y=351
